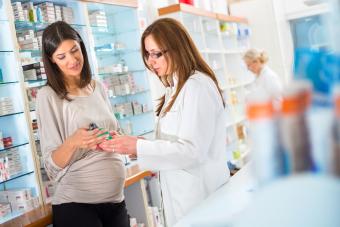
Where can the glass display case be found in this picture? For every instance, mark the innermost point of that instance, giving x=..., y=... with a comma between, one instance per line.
x=19, y=187
x=116, y=46
x=113, y=47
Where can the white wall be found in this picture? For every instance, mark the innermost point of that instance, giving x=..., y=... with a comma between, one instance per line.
x=285, y=38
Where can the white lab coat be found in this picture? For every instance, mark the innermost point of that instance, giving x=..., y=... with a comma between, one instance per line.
x=190, y=148
x=269, y=82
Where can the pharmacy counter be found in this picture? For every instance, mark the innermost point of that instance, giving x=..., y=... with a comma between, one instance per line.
x=306, y=199
x=224, y=204
x=42, y=216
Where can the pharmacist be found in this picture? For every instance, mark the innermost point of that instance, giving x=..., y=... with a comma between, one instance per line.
x=266, y=78
x=189, y=150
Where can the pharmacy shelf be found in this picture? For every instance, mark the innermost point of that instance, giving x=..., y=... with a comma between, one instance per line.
x=236, y=51
x=131, y=116
x=9, y=82
x=14, y=146
x=235, y=121
x=130, y=94
x=146, y=134
x=104, y=31
x=36, y=81
x=209, y=51
x=243, y=159
x=7, y=115
x=10, y=216
x=120, y=73
x=32, y=51
x=24, y=25
x=237, y=85
x=16, y=176
x=115, y=52
x=126, y=31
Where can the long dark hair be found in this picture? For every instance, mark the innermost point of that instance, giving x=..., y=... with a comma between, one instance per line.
x=52, y=37
x=181, y=54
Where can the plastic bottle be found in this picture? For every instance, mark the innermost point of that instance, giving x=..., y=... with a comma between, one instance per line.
x=293, y=127
x=39, y=15
x=266, y=154
x=335, y=153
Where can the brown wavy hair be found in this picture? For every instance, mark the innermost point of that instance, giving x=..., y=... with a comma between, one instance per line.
x=180, y=52
x=52, y=37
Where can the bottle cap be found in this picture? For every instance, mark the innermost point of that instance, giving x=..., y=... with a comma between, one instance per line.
x=259, y=106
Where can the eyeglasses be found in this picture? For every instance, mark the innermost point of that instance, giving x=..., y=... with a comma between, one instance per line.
x=154, y=55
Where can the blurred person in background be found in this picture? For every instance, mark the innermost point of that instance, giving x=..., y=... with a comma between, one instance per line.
x=265, y=78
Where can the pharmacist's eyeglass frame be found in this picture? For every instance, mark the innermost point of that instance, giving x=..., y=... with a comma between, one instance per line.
x=155, y=55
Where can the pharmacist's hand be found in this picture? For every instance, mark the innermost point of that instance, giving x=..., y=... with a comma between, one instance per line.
x=85, y=139
x=121, y=145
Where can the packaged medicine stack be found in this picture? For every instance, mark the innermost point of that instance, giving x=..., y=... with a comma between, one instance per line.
x=29, y=44
x=4, y=169
x=47, y=12
x=35, y=71
x=110, y=82
x=6, y=106
x=67, y=14
x=137, y=108
x=128, y=79
x=27, y=40
x=98, y=18
x=32, y=96
x=21, y=200
x=18, y=11
x=5, y=209
x=28, y=7
x=57, y=11
x=1, y=142
x=39, y=38
x=293, y=127
x=267, y=155
x=15, y=165
x=114, y=68
x=123, y=110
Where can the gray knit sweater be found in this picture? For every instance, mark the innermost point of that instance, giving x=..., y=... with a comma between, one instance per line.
x=91, y=176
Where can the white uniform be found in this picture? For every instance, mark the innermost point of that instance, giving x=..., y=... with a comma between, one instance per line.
x=269, y=82
x=190, y=148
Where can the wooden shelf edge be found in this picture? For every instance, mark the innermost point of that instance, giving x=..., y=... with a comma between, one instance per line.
x=134, y=174
x=227, y=18
x=45, y=221
x=129, y=3
x=181, y=7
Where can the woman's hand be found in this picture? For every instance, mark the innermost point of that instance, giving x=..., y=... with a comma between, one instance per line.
x=121, y=144
x=85, y=139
